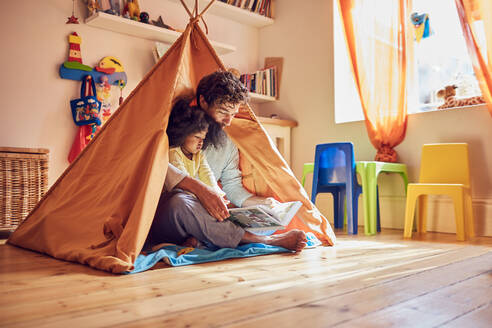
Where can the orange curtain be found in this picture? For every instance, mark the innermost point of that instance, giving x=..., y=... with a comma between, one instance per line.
x=376, y=35
x=476, y=22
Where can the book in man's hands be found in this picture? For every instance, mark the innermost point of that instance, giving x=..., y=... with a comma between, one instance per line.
x=263, y=219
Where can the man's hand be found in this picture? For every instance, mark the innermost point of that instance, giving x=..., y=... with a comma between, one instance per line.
x=211, y=201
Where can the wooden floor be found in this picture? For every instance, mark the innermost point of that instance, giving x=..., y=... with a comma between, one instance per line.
x=378, y=281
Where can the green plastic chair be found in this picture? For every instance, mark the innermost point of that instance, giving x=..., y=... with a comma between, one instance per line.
x=306, y=169
x=369, y=172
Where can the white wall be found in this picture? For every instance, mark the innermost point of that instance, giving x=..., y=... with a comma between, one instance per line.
x=34, y=103
x=303, y=35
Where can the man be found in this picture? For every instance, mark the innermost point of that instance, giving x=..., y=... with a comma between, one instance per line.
x=180, y=215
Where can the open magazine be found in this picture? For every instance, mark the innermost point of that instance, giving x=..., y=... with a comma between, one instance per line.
x=263, y=219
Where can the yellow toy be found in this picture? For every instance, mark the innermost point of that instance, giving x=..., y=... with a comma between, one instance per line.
x=109, y=65
x=132, y=9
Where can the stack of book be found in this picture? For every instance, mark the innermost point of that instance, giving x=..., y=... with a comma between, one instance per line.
x=263, y=82
x=261, y=7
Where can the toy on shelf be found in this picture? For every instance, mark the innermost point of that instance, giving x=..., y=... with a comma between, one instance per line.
x=449, y=93
x=421, y=24
x=73, y=69
x=111, y=7
x=159, y=22
x=132, y=10
x=92, y=6
x=72, y=19
x=144, y=17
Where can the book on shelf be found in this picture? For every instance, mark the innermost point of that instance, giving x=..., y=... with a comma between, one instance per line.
x=261, y=7
x=263, y=82
x=263, y=219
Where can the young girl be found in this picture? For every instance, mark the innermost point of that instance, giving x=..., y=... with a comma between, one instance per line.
x=187, y=130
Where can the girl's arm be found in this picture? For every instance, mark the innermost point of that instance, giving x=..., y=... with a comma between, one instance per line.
x=206, y=175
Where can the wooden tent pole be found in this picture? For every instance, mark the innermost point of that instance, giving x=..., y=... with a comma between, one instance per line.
x=196, y=8
x=206, y=8
x=187, y=10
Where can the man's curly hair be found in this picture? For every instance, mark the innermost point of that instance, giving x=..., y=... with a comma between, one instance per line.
x=184, y=121
x=221, y=87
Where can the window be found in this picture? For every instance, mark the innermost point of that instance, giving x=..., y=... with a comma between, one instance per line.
x=441, y=59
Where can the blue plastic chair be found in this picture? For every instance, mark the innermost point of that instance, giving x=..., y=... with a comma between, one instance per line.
x=334, y=172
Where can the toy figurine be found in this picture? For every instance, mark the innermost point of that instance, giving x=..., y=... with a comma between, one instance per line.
x=92, y=7
x=421, y=24
x=144, y=17
x=74, y=54
x=448, y=95
x=159, y=22
x=132, y=10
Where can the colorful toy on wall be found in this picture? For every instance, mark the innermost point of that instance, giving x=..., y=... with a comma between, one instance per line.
x=73, y=69
x=85, y=110
x=93, y=108
x=74, y=61
x=422, y=26
x=72, y=19
x=122, y=85
x=85, y=113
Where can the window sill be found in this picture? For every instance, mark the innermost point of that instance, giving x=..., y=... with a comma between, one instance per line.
x=428, y=110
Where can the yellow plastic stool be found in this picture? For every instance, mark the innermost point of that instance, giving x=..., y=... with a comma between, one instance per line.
x=306, y=169
x=444, y=170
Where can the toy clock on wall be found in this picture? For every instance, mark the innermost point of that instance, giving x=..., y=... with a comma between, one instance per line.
x=93, y=108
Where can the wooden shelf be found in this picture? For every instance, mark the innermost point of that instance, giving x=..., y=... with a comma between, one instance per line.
x=277, y=121
x=231, y=12
x=145, y=31
x=257, y=98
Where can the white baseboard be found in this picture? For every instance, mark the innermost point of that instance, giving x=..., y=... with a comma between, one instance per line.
x=441, y=216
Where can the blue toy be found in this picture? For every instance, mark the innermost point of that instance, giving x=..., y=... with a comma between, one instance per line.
x=421, y=24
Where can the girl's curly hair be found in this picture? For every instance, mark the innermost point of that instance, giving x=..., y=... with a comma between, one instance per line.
x=184, y=121
x=221, y=87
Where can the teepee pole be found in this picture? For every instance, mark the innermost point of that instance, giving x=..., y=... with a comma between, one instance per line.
x=187, y=10
x=206, y=8
x=196, y=8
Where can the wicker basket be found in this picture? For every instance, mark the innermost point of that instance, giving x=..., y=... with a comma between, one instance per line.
x=23, y=181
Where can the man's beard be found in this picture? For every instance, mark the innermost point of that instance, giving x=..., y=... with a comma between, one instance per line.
x=216, y=135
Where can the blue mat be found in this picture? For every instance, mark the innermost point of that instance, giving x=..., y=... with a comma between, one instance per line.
x=178, y=255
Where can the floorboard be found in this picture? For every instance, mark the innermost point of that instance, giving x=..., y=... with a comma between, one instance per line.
x=383, y=281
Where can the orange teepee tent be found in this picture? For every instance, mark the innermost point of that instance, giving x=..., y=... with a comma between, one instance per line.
x=100, y=210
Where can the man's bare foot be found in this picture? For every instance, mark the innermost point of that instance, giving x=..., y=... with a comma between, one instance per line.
x=191, y=242
x=294, y=240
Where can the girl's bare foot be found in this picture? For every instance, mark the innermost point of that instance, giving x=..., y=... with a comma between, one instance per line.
x=191, y=242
